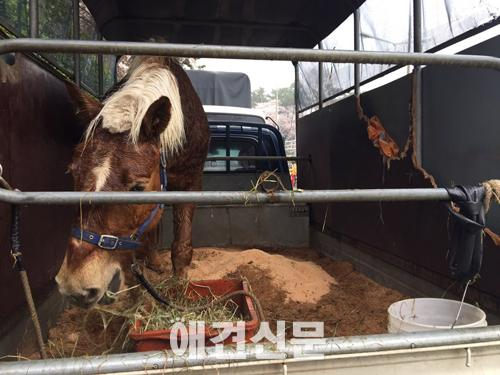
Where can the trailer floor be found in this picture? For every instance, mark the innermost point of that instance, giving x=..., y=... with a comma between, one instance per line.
x=352, y=304
x=291, y=284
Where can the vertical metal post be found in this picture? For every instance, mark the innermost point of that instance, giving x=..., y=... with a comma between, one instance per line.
x=357, y=47
x=417, y=25
x=76, y=36
x=228, y=148
x=33, y=18
x=417, y=81
x=320, y=80
x=115, y=69
x=296, y=92
x=100, y=69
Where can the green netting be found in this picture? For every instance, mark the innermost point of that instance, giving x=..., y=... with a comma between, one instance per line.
x=55, y=21
x=14, y=14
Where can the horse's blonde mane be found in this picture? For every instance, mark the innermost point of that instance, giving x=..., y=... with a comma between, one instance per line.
x=148, y=79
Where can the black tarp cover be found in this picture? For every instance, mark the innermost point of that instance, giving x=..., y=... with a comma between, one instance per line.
x=273, y=23
x=222, y=88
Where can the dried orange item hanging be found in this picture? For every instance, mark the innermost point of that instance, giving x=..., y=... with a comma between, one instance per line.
x=381, y=139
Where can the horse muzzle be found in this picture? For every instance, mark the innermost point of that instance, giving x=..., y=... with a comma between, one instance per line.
x=85, y=299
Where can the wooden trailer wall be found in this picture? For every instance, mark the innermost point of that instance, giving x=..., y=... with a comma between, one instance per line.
x=37, y=133
x=461, y=145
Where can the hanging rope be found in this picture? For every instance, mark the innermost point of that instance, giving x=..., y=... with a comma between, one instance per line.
x=16, y=254
x=492, y=188
x=18, y=264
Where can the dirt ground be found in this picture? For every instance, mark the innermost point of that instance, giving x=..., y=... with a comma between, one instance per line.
x=291, y=284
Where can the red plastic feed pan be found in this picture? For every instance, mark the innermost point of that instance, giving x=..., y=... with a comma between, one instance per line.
x=160, y=339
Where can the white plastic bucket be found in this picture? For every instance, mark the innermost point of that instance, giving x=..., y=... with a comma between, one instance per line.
x=424, y=314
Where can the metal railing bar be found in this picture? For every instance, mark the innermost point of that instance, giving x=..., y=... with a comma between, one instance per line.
x=417, y=81
x=128, y=362
x=296, y=92
x=222, y=197
x=239, y=52
x=265, y=158
x=320, y=79
x=357, y=47
x=228, y=147
x=76, y=36
x=315, y=105
x=100, y=72
x=33, y=18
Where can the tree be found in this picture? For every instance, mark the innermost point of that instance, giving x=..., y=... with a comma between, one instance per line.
x=285, y=95
x=259, y=96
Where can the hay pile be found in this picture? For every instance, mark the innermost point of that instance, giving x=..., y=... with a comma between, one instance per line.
x=155, y=316
x=104, y=329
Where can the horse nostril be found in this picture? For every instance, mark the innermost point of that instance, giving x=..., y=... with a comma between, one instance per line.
x=92, y=294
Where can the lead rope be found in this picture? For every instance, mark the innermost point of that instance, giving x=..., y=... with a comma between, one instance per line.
x=15, y=252
x=156, y=295
x=18, y=264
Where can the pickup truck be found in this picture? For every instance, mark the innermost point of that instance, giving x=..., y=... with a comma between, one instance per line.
x=238, y=131
x=242, y=132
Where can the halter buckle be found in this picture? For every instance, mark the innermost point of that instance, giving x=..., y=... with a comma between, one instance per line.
x=108, y=242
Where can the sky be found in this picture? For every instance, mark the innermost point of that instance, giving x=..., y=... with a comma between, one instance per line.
x=267, y=74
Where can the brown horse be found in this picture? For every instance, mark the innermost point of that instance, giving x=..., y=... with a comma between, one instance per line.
x=154, y=111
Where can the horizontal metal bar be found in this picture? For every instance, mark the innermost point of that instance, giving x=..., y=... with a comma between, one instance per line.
x=265, y=158
x=333, y=346
x=311, y=106
x=239, y=52
x=222, y=197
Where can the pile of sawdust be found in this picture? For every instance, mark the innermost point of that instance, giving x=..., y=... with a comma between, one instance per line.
x=291, y=284
x=301, y=280
x=352, y=305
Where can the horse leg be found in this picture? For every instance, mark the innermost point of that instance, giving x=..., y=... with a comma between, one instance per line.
x=182, y=249
x=153, y=261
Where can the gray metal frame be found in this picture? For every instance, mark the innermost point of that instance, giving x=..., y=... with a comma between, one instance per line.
x=150, y=361
x=76, y=36
x=222, y=197
x=28, y=45
x=33, y=15
x=417, y=80
x=320, y=80
x=357, y=47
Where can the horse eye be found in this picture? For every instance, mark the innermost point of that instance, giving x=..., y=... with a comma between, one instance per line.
x=137, y=188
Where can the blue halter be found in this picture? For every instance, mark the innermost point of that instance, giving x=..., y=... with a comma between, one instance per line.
x=110, y=242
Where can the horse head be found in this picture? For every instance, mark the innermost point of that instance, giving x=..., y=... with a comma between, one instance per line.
x=115, y=155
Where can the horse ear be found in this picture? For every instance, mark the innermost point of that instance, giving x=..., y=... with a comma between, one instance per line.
x=156, y=119
x=86, y=106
